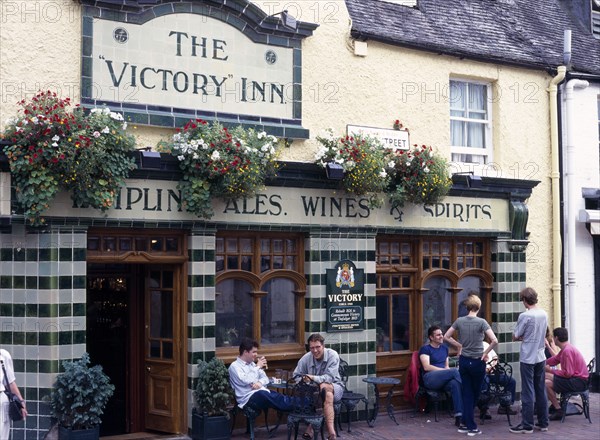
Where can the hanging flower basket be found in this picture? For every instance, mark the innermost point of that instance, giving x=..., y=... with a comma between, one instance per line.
x=53, y=149
x=361, y=163
x=221, y=163
x=419, y=176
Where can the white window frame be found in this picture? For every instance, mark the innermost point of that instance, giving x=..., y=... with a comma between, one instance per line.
x=487, y=151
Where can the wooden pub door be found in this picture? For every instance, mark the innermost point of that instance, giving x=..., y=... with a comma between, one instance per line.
x=134, y=330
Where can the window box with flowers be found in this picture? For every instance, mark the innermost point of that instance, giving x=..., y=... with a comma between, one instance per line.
x=217, y=162
x=364, y=161
x=52, y=148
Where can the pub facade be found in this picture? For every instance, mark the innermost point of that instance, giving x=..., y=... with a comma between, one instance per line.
x=148, y=289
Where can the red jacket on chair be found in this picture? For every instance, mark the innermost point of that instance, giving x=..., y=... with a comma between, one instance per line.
x=411, y=384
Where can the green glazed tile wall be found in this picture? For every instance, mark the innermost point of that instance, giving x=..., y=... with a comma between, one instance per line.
x=42, y=312
x=323, y=251
x=509, y=272
x=201, y=306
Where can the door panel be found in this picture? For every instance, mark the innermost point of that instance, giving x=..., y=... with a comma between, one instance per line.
x=161, y=349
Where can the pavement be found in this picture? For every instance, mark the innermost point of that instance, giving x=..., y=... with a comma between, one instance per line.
x=423, y=426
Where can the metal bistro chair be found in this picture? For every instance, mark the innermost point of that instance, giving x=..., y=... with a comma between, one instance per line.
x=349, y=399
x=433, y=396
x=307, y=408
x=251, y=416
x=497, y=389
x=584, y=408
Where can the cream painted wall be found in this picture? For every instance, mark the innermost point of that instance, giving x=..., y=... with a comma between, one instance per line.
x=40, y=47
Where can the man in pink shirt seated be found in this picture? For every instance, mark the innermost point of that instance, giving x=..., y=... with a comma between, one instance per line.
x=573, y=373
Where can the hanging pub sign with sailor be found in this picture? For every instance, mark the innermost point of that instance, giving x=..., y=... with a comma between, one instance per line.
x=345, y=297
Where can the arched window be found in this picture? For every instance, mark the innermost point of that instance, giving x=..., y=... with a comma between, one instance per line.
x=260, y=289
x=422, y=282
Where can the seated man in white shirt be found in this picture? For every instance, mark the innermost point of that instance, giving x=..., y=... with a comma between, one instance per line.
x=249, y=380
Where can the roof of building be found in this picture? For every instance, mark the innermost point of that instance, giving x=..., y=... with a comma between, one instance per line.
x=518, y=32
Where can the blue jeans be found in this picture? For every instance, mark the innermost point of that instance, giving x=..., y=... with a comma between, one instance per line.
x=533, y=392
x=472, y=373
x=264, y=399
x=448, y=380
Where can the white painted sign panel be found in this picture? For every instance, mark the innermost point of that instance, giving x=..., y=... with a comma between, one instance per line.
x=191, y=61
x=152, y=200
x=394, y=139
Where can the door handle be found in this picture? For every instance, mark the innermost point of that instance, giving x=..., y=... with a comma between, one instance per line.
x=148, y=369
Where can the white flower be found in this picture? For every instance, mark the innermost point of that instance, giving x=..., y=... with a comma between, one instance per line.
x=116, y=116
x=181, y=158
x=215, y=155
x=56, y=138
x=124, y=126
x=54, y=144
x=383, y=174
x=261, y=135
x=34, y=120
x=96, y=134
x=425, y=170
x=106, y=130
x=391, y=164
x=95, y=110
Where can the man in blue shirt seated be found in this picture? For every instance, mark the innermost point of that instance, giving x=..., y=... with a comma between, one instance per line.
x=437, y=374
x=249, y=380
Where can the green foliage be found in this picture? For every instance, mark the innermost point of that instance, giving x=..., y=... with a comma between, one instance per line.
x=218, y=162
x=213, y=392
x=80, y=394
x=420, y=177
x=365, y=161
x=54, y=149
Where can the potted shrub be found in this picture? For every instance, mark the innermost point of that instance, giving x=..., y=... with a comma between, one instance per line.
x=78, y=399
x=213, y=397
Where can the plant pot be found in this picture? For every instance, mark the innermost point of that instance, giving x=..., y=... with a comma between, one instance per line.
x=334, y=171
x=79, y=434
x=210, y=428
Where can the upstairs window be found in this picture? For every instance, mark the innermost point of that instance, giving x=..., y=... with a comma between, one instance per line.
x=470, y=122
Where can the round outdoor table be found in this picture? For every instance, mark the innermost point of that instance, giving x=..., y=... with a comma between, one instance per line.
x=376, y=381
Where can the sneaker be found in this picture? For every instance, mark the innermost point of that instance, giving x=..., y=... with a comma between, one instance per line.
x=507, y=409
x=474, y=432
x=541, y=428
x=520, y=429
x=463, y=429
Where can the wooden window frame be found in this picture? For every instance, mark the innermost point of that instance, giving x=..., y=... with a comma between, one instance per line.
x=421, y=275
x=257, y=278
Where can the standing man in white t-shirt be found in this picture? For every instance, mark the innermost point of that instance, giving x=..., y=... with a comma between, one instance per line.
x=531, y=330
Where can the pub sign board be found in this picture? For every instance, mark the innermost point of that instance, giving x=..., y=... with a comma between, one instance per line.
x=345, y=298
x=174, y=62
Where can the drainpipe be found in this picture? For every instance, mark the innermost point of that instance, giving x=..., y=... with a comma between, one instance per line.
x=572, y=198
x=555, y=180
